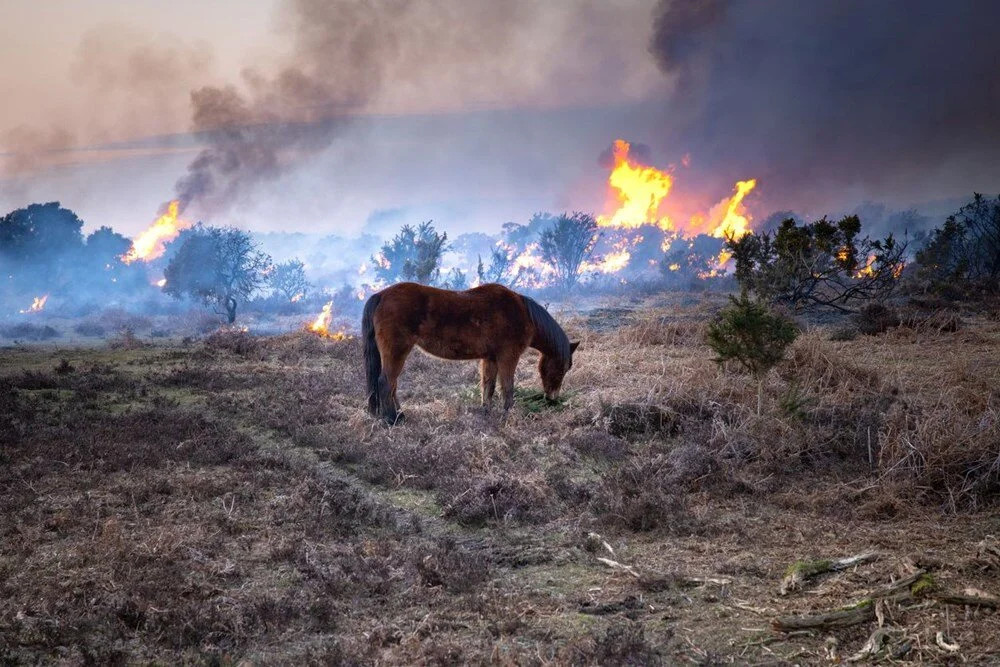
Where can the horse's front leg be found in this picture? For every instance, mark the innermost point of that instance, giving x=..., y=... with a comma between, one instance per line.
x=487, y=382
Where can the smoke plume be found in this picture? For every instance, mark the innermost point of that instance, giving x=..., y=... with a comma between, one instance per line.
x=819, y=100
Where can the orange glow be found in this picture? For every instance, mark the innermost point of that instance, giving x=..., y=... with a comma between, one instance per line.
x=152, y=243
x=297, y=297
x=37, y=304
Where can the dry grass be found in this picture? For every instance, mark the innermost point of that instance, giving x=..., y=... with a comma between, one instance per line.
x=232, y=500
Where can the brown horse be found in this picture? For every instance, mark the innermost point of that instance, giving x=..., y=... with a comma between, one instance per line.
x=489, y=322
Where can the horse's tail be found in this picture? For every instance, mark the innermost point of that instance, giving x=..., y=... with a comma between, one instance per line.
x=373, y=358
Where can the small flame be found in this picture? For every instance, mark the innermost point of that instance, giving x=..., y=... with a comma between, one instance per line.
x=322, y=324
x=162, y=282
x=867, y=271
x=37, y=304
x=152, y=243
x=675, y=266
x=297, y=297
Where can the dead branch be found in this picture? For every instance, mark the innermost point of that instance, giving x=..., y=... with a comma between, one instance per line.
x=799, y=572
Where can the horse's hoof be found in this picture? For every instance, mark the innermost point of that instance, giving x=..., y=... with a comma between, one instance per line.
x=398, y=419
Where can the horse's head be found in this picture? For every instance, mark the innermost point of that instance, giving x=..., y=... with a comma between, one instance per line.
x=553, y=370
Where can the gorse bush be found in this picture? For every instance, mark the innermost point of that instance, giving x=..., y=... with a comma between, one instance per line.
x=567, y=244
x=963, y=255
x=749, y=333
x=414, y=254
x=819, y=264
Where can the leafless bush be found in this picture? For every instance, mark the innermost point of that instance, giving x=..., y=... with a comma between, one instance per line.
x=640, y=495
x=235, y=340
x=944, y=451
x=498, y=498
x=126, y=340
x=32, y=332
x=116, y=319
x=90, y=328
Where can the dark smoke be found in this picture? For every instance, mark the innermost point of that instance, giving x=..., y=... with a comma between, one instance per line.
x=833, y=101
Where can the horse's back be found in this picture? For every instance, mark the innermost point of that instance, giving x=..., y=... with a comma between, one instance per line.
x=481, y=322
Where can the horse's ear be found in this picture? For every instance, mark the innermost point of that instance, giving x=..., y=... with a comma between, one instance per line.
x=573, y=346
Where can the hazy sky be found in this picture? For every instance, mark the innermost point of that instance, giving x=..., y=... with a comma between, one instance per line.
x=100, y=78
x=326, y=115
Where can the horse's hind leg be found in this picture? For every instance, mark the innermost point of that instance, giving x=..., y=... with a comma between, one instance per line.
x=487, y=381
x=392, y=366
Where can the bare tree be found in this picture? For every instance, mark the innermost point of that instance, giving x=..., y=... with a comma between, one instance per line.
x=289, y=279
x=567, y=244
x=219, y=266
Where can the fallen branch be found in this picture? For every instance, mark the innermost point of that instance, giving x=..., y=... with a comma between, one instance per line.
x=800, y=571
x=859, y=612
x=967, y=598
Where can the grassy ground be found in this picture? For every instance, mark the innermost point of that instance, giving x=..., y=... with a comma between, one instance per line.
x=228, y=499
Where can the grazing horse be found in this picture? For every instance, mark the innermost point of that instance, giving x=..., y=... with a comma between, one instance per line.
x=489, y=322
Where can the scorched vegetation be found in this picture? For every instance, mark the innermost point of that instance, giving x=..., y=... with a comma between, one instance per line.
x=227, y=499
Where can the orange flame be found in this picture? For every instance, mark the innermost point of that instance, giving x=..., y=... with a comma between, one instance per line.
x=297, y=297
x=639, y=197
x=867, y=271
x=639, y=190
x=321, y=325
x=735, y=221
x=152, y=243
x=37, y=304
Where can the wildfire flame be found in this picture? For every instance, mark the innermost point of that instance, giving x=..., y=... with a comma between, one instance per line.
x=297, y=297
x=161, y=283
x=639, y=197
x=152, y=243
x=322, y=323
x=867, y=270
x=37, y=304
x=639, y=191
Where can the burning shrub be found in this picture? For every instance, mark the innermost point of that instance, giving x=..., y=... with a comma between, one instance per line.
x=822, y=264
x=963, y=256
x=32, y=332
x=749, y=333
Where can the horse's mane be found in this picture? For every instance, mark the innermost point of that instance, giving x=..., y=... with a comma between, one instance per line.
x=548, y=330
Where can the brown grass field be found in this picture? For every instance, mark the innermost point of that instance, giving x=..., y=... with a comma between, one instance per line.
x=228, y=500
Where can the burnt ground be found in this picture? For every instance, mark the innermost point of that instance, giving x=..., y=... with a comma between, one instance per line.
x=228, y=499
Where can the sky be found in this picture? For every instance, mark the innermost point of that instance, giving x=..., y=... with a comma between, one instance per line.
x=342, y=116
